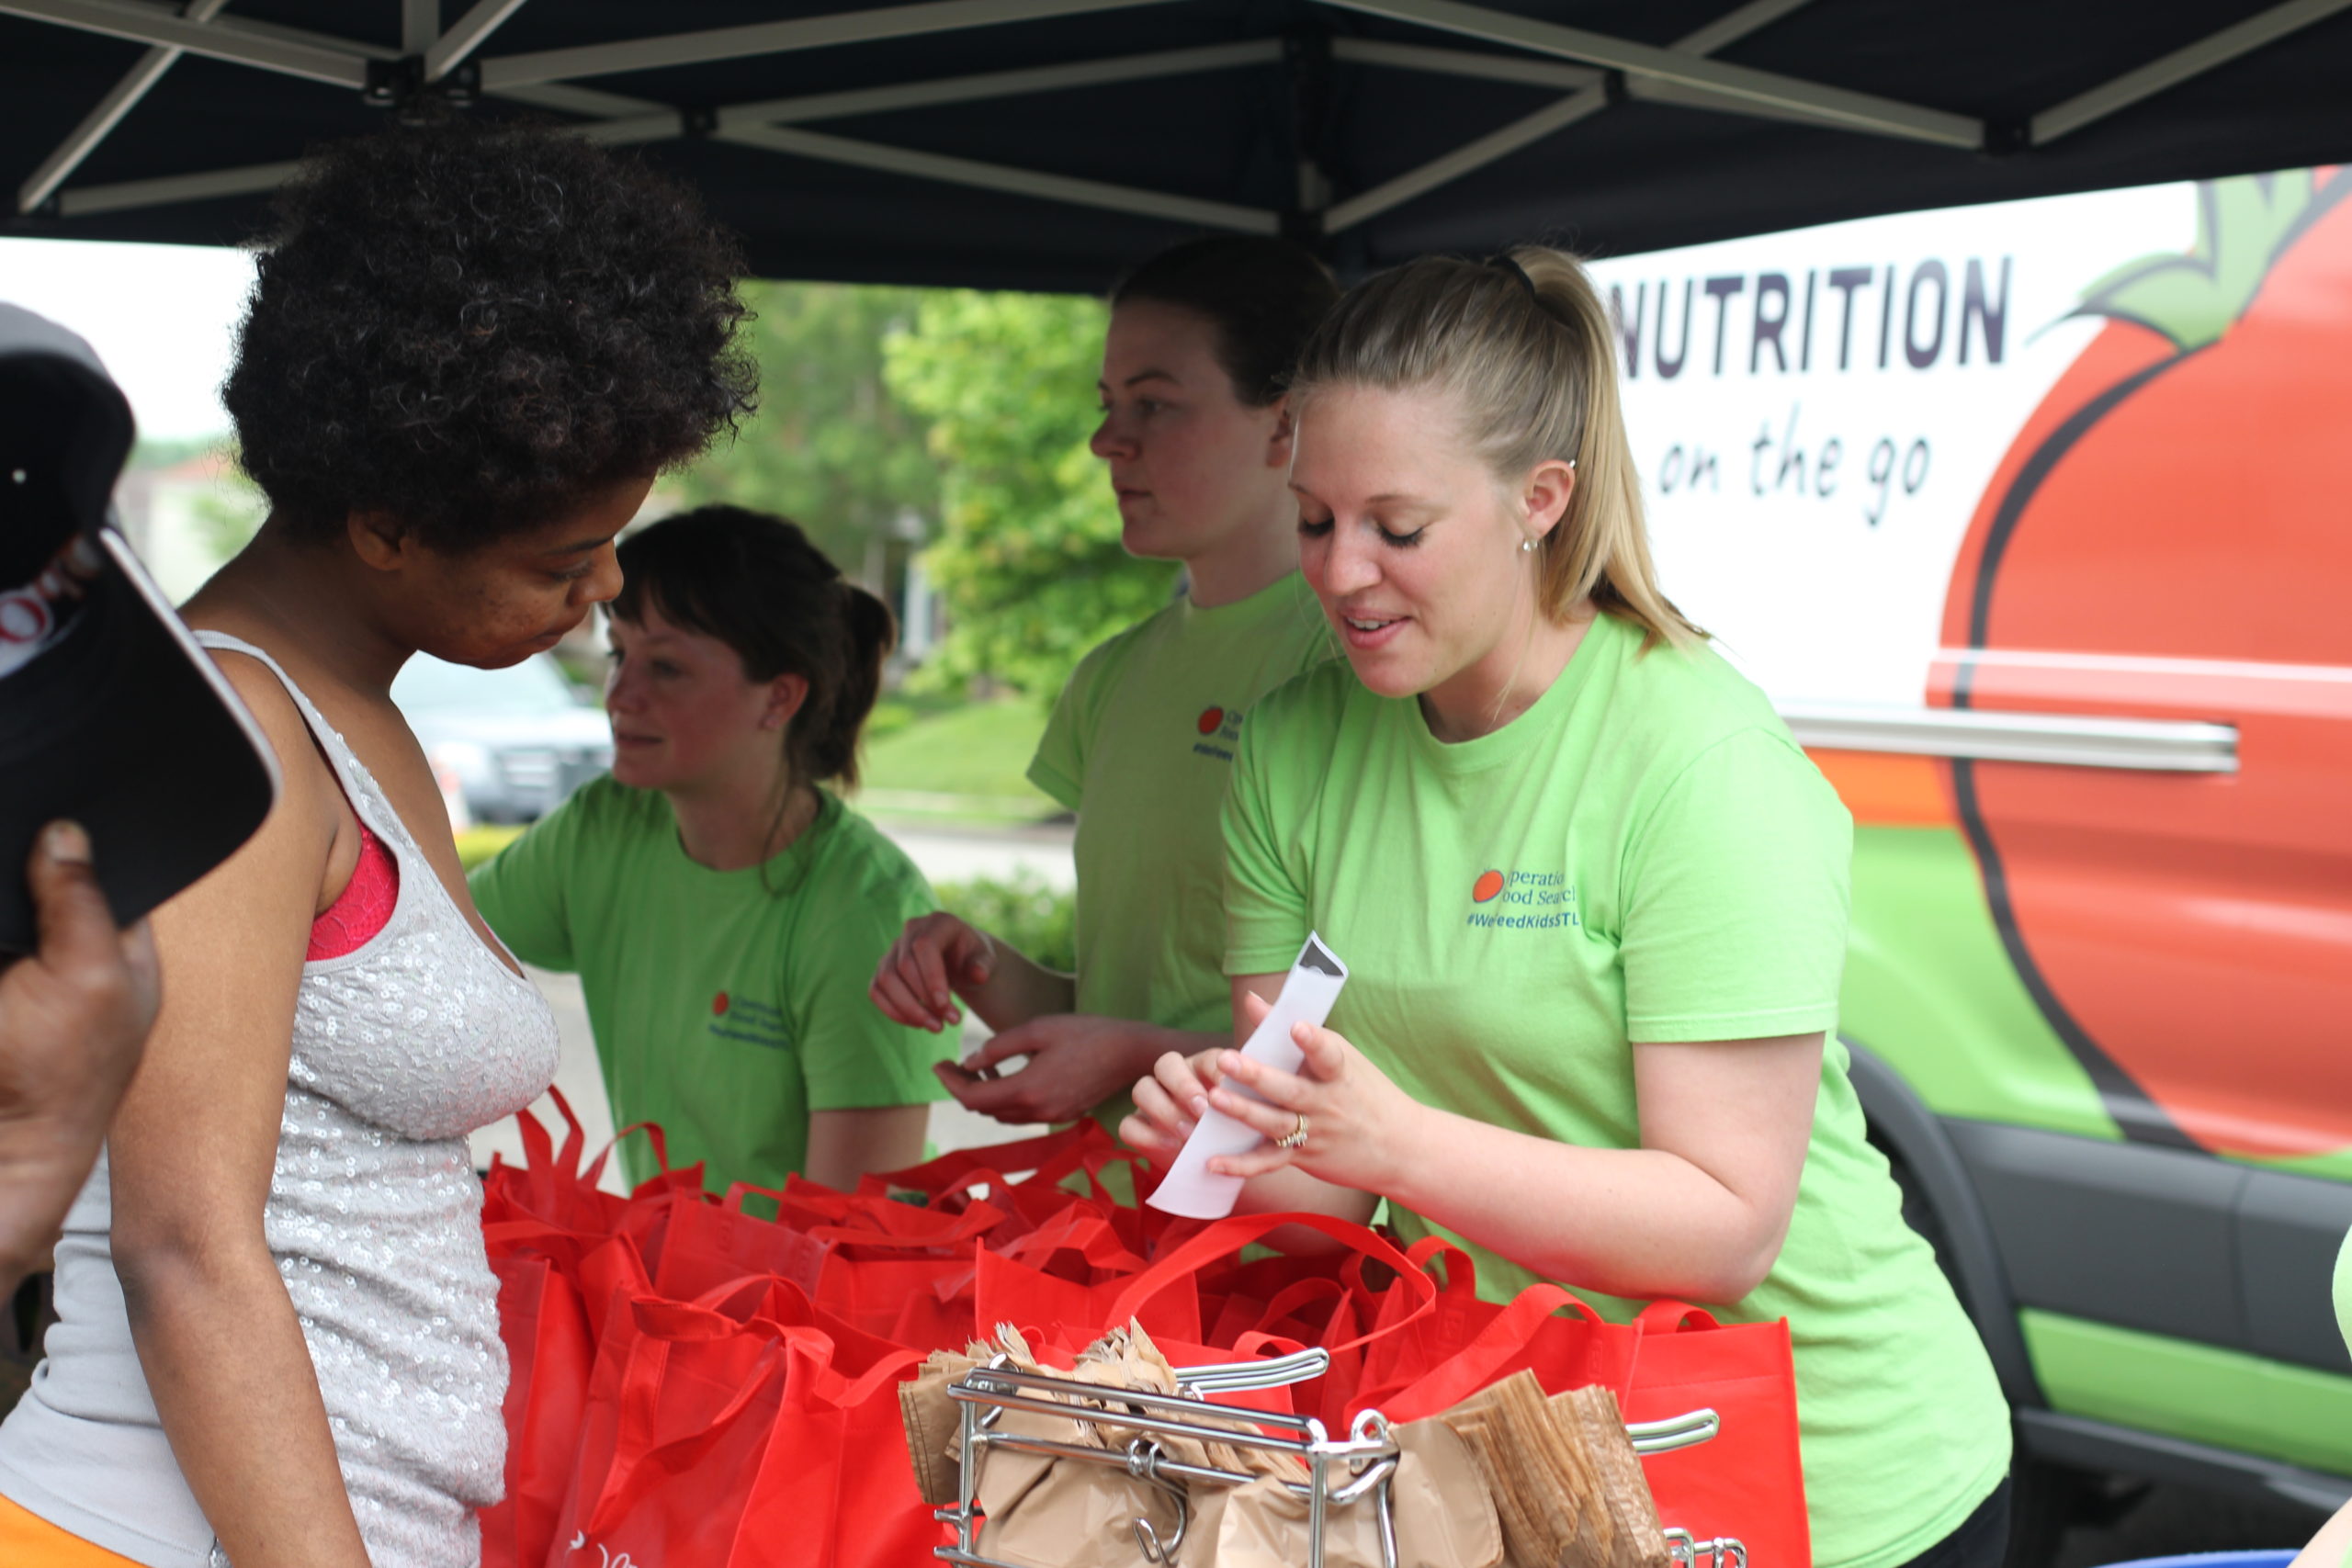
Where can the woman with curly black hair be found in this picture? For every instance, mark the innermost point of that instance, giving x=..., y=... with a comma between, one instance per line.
x=470, y=350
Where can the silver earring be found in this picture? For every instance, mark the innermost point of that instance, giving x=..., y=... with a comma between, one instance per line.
x=1526, y=545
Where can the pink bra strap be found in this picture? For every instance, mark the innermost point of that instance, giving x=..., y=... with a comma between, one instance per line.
x=363, y=907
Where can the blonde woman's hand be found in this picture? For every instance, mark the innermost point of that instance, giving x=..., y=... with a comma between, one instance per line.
x=936, y=959
x=1360, y=1128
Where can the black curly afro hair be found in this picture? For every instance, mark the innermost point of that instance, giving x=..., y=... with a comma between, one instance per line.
x=476, y=327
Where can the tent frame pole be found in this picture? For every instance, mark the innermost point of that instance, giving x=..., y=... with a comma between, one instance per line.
x=636, y=122
x=1477, y=64
x=1592, y=69
x=2170, y=71
x=998, y=178
x=222, y=40
x=1007, y=83
x=99, y=122
x=501, y=72
x=419, y=24
x=1736, y=85
x=472, y=30
x=1581, y=105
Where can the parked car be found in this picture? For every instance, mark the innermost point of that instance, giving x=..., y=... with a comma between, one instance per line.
x=2031, y=518
x=508, y=745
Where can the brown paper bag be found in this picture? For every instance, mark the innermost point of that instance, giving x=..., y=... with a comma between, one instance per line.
x=1051, y=1512
x=1636, y=1539
x=1567, y=1486
x=934, y=1422
x=1044, y=1511
x=1444, y=1515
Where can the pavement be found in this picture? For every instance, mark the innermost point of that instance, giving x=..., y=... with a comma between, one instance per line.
x=960, y=854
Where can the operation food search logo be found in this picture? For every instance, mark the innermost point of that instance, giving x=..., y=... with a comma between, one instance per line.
x=1220, y=729
x=734, y=1016
x=1522, y=901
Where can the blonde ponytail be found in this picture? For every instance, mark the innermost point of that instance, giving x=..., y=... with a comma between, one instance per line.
x=1524, y=347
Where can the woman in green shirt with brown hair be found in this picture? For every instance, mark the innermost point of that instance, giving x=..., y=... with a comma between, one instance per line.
x=1196, y=434
x=1593, y=901
x=720, y=905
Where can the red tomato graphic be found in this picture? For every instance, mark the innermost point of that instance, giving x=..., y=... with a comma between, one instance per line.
x=1488, y=884
x=1210, y=719
x=719, y=1005
x=2168, y=530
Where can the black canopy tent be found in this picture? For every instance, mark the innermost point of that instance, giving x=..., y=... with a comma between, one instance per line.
x=1043, y=144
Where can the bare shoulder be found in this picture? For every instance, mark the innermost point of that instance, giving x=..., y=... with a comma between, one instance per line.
x=298, y=836
x=272, y=706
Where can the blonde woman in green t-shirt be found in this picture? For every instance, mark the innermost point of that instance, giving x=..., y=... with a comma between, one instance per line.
x=720, y=904
x=1196, y=434
x=1593, y=900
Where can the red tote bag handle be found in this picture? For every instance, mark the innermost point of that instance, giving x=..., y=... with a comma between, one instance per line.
x=547, y=1176
x=539, y=1158
x=1080, y=1229
x=1668, y=1317
x=1491, y=1349
x=1461, y=1293
x=976, y=1221
x=1224, y=1238
x=1047, y=1157
x=653, y=1135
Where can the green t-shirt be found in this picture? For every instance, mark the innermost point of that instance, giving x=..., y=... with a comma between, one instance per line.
x=1645, y=855
x=1140, y=745
x=2344, y=1291
x=727, y=1005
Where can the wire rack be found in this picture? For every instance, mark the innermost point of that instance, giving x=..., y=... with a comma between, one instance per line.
x=1341, y=1473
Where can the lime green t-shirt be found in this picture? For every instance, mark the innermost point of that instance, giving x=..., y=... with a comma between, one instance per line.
x=1643, y=855
x=1140, y=745
x=727, y=1005
x=2344, y=1291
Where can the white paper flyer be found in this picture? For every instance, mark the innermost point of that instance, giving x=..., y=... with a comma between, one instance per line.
x=1307, y=994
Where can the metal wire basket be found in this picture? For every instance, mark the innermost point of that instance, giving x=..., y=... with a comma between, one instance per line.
x=1341, y=1473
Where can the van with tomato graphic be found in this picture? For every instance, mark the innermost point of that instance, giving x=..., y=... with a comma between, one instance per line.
x=2035, y=520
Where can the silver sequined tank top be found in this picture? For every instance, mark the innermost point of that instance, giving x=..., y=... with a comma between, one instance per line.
x=399, y=1049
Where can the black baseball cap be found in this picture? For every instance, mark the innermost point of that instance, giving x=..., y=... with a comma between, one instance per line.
x=109, y=712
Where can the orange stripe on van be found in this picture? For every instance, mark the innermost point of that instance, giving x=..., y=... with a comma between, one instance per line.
x=1883, y=790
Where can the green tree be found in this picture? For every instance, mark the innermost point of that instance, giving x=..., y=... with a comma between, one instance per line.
x=1028, y=555
x=829, y=448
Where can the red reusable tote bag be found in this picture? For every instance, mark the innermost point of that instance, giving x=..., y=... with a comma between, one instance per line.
x=552, y=1207
x=1462, y=1344
x=1031, y=1179
x=1746, y=1482
x=742, y=1430
x=708, y=1244
x=680, y=1408
x=549, y=1353
x=1165, y=1298
x=835, y=1490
